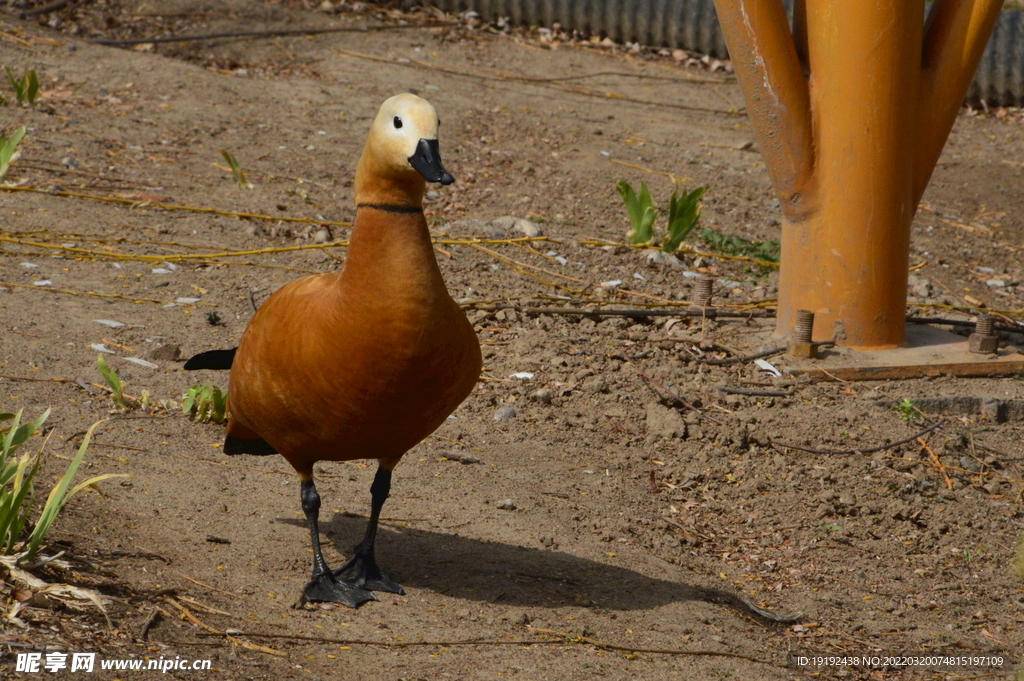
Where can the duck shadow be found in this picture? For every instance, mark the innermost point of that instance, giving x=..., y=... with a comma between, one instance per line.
x=495, y=572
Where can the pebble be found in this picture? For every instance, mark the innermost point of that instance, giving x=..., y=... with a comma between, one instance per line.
x=504, y=414
x=167, y=352
x=506, y=505
x=543, y=396
x=527, y=228
x=969, y=464
x=44, y=282
x=322, y=237
x=655, y=257
x=995, y=283
x=109, y=323
x=509, y=223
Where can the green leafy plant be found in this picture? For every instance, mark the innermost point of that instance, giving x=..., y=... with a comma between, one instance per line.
x=26, y=88
x=727, y=244
x=642, y=212
x=205, y=403
x=236, y=170
x=906, y=409
x=9, y=149
x=113, y=382
x=17, y=486
x=683, y=215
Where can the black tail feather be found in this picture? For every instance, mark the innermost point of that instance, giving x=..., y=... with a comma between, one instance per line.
x=235, y=445
x=211, y=359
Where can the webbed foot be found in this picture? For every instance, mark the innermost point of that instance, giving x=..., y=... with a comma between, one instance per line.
x=361, y=571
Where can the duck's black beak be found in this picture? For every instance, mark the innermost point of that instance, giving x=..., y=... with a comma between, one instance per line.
x=427, y=162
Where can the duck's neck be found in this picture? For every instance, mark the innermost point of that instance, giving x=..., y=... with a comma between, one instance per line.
x=378, y=185
x=390, y=254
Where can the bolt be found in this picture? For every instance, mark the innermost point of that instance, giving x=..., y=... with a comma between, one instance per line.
x=984, y=340
x=700, y=297
x=802, y=344
x=702, y=291
x=804, y=326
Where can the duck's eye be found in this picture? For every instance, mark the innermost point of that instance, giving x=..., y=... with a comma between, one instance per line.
x=398, y=122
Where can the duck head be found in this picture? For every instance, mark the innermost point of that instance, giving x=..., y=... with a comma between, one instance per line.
x=401, y=154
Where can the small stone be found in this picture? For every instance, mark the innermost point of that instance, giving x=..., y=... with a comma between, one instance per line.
x=847, y=499
x=542, y=396
x=506, y=505
x=967, y=463
x=167, y=352
x=992, y=409
x=655, y=258
x=995, y=283
x=679, y=55
x=994, y=487
x=69, y=162
x=504, y=414
x=503, y=225
x=596, y=384
x=527, y=228
x=322, y=237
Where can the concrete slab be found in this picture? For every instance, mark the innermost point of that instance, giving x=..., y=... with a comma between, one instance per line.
x=930, y=351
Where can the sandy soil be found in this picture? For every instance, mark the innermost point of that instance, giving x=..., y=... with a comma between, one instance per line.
x=599, y=513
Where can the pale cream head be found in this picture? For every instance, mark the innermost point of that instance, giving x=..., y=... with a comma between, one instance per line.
x=403, y=120
x=401, y=153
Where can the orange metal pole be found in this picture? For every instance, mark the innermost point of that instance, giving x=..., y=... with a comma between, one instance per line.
x=851, y=116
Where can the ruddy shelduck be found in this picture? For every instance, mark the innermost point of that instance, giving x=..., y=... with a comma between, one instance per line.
x=361, y=364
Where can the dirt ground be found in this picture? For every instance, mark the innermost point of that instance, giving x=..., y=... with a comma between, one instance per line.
x=598, y=513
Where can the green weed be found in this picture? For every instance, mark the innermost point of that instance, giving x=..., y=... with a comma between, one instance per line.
x=236, y=170
x=17, y=486
x=205, y=403
x=641, y=210
x=9, y=151
x=907, y=410
x=113, y=382
x=726, y=244
x=26, y=88
x=683, y=215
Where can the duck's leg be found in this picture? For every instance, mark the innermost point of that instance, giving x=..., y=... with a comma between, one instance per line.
x=324, y=586
x=361, y=570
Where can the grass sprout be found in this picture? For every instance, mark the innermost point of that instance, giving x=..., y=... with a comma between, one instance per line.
x=683, y=216
x=17, y=486
x=906, y=409
x=236, y=170
x=642, y=212
x=205, y=403
x=26, y=88
x=113, y=382
x=9, y=151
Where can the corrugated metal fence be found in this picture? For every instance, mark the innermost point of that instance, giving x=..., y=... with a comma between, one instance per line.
x=693, y=25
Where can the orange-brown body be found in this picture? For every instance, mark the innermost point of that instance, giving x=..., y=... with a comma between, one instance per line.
x=358, y=365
